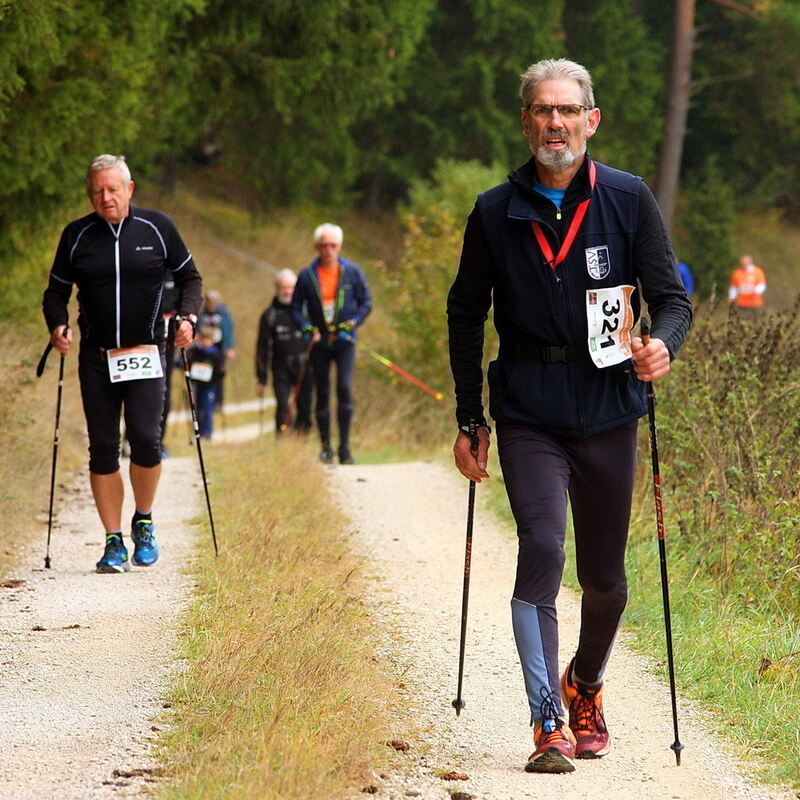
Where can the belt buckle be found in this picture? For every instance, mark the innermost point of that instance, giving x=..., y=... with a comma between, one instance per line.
x=555, y=355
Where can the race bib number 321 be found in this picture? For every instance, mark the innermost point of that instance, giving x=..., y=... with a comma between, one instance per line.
x=134, y=363
x=610, y=319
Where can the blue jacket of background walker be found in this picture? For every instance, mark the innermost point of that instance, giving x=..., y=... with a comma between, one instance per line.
x=536, y=304
x=352, y=301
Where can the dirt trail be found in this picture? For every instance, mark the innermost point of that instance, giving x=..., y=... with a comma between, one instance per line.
x=409, y=522
x=86, y=658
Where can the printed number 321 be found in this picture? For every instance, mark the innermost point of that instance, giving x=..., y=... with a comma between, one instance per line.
x=610, y=323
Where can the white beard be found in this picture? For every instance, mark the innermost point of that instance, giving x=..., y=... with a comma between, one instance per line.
x=556, y=159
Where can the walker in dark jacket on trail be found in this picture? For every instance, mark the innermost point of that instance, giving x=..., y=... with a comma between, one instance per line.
x=120, y=258
x=560, y=250
x=331, y=300
x=205, y=362
x=217, y=315
x=281, y=345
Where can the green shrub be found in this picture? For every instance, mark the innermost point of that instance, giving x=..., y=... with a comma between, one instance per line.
x=434, y=221
x=729, y=422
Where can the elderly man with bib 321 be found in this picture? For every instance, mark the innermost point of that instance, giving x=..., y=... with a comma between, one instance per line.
x=562, y=250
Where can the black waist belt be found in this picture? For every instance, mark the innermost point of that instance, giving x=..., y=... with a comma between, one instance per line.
x=524, y=351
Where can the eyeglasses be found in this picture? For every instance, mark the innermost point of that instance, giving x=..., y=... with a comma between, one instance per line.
x=566, y=110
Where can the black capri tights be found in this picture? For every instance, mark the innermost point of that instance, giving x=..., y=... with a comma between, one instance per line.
x=143, y=402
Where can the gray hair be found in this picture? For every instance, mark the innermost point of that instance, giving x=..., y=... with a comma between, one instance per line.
x=107, y=161
x=551, y=69
x=333, y=230
x=285, y=274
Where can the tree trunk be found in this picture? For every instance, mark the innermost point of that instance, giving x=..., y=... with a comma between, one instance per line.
x=669, y=162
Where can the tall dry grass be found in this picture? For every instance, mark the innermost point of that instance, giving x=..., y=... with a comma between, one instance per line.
x=27, y=416
x=282, y=696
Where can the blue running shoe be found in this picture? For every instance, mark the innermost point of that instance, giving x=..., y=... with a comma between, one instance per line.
x=145, y=549
x=115, y=558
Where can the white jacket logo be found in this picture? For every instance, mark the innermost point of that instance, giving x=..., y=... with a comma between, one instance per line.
x=598, y=263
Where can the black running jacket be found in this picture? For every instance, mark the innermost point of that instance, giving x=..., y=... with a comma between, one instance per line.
x=120, y=271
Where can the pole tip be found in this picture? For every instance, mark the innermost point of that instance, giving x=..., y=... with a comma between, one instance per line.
x=47, y=562
x=458, y=704
x=676, y=746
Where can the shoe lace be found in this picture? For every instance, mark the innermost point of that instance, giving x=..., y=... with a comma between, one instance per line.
x=144, y=531
x=556, y=735
x=588, y=716
x=547, y=707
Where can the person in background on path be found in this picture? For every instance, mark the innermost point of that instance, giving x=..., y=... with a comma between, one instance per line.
x=687, y=279
x=747, y=286
x=280, y=343
x=216, y=314
x=119, y=257
x=559, y=249
x=205, y=361
x=331, y=300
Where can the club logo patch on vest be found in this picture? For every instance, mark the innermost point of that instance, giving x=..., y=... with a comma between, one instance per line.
x=598, y=263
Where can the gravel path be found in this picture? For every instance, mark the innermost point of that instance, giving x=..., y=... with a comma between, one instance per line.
x=409, y=524
x=86, y=658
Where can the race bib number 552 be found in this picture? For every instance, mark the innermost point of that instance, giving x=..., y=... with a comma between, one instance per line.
x=134, y=363
x=610, y=318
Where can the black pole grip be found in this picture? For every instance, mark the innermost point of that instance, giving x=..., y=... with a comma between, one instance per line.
x=644, y=327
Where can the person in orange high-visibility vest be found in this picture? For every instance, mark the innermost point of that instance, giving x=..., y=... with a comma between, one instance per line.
x=747, y=287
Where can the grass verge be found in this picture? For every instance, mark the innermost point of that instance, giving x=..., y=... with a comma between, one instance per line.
x=282, y=697
x=738, y=656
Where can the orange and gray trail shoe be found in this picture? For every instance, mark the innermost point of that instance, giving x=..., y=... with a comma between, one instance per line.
x=555, y=748
x=586, y=719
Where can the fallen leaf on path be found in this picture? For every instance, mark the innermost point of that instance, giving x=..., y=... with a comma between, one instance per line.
x=455, y=776
x=399, y=744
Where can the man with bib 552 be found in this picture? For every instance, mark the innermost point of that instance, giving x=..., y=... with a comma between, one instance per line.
x=120, y=258
x=561, y=249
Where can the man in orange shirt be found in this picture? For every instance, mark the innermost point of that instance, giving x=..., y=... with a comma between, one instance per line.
x=330, y=301
x=747, y=287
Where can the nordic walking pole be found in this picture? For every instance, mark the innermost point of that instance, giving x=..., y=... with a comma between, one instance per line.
x=399, y=370
x=39, y=371
x=190, y=429
x=662, y=549
x=459, y=703
x=196, y=428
